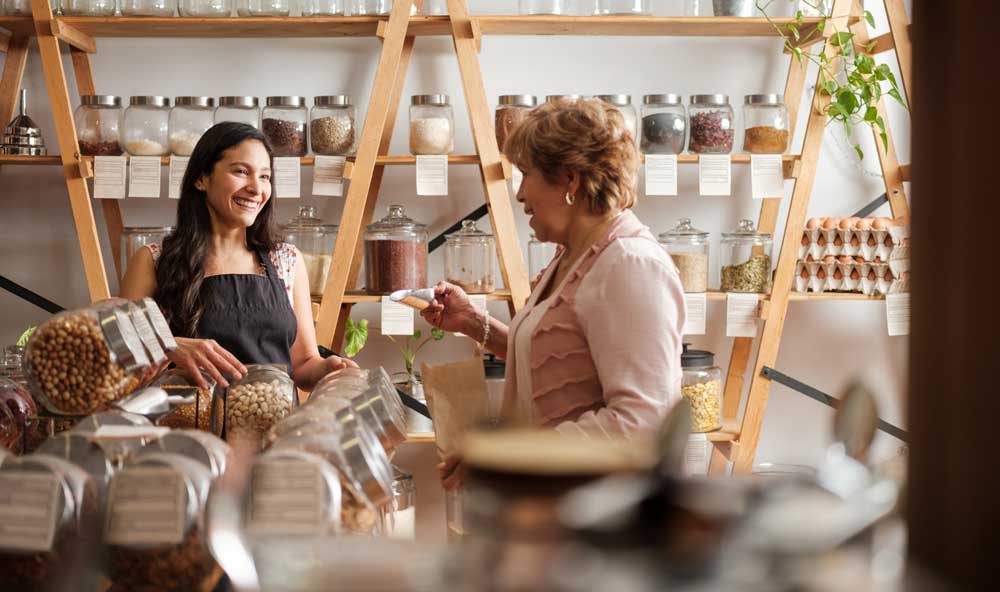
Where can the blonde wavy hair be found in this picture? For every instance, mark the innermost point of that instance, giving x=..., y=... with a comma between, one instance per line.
x=587, y=137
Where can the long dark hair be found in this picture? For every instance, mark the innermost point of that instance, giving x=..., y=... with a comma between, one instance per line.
x=181, y=266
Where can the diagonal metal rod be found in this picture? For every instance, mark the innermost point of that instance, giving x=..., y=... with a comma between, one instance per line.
x=32, y=297
x=438, y=240
x=877, y=203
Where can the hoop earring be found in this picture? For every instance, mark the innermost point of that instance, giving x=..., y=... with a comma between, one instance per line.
x=570, y=198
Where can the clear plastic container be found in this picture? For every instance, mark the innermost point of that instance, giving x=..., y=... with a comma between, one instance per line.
x=664, y=124
x=510, y=112
x=539, y=256
x=688, y=247
x=395, y=253
x=624, y=105
x=468, y=258
x=746, y=260
x=149, y=7
x=252, y=405
x=712, y=126
x=315, y=240
x=322, y=7
x=528, y=7
x=701, y=386
x=206, y=8
x=145, y=125
x=623, y=7
x=197, y=415
x=281, y=477
x=239, y=109
x=432, y=125
x=332, y=129
x=87, y=7
x=211, y=451
x=765, y=124
x=98, y=124
x=189, y=119
x=137, y=237
x=246, y=8
x=284, y=124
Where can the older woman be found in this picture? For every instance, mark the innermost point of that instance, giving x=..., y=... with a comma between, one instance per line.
x=597, y=347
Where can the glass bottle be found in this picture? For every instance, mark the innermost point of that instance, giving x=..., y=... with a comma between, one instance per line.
x=624, y=105
x=137, y=237
x=146, y=125
x=315, y=240
x=468, y=258
x=206, y=8
x=246, y=8
x=88, y=7
x=509, y=113
x=622, y=7
x=395, y=253
x=711, y=123
x=664, y=124
x=189, y=119
x=432, y=125
x=149, y=8
x=701, y=387
x=284, y=123
x=98, y=125
x=765, y=124
x=239, y=109
x=688, y=247
x=746, y=260
x=332, y=130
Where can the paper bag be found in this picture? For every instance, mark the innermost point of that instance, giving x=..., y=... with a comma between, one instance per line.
x=457, y=399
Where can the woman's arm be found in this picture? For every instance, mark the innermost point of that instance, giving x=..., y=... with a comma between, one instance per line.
x=453, y=311
x=140, y=276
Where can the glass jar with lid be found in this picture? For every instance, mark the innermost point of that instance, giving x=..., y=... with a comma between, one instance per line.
x=246, y=8
x=15, y=398
x=307, y=477
x=624, y=105
x=510, y=113
x=197, y=414
x=315, y=240
x=746, y=260
x=765, y=124
x=539, y=256
x=622, y=7
x=688, y=247
x=265, y=395
x=331, y=126
x=149, y=7
x=322, y=7
x=189, y=119
x=403, y=524
x=701, y=386
x=468, y=258
x=529, y=7
x=87, y=7
x=664, y=124
x=557, y=98
x=137, y=237
x=146, y=126
x=239, y=109
x=432, y=125
x=198, y=445
x=395, y=253
x=11, y=430
x=711, y=121
x=284, y=124
x=206, y=8
x=98, y=125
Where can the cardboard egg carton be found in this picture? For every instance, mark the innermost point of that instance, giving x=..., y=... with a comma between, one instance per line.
x=871, y=239
x=852, y=275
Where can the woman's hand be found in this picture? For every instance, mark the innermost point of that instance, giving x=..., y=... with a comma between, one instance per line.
x=451, y=472
x=334, y=363
x=452, y=311
x=193, y=355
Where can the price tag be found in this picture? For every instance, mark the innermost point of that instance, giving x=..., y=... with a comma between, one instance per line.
x=715, y=174
x=144, y=176
x=741, y=314
x=287, y=177
x=328, y=175
x=146, y=505
x=286, y=498
x=432, y=175
x=767, y=177
x=897, y=314
x=127, y=432
x=478, y=301
x=109, y=177
x=159, y=323
x=661, y=174
x=697, y=455
x=178, y=165
x=146, y=334
x=397, y=318
x=28, y=503
x=696, y=313
x=516, y=178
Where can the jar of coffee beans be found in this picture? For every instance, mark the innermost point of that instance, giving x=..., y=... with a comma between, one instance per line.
x=284, y=123
x=712, y=124
x=395, y=253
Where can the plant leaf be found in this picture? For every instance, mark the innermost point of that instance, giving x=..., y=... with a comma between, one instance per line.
x=871, y=45
x=885, y=140
x=880, y=123
x=416, y=335
x=356, y=337
x=821, y=25
x=870, y=19
x=23, y=339
x=437, y=334
x=847, y=99
x=857, y=149
x=795, y=30
x=842, y=39
x=871, y=114
x=797, y=53
x=798, y=17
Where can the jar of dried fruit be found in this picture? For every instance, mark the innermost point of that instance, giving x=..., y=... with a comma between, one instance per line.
x=146, y=124
x=711, y=123
x=395, y=253
x=432, y=125
x=688, y=247
x=315, y=240
x=253, y=404
x=189, y=119
x=98, y=125
x=284, y=124
x=331, y=126
x=701, y=386
x=468, y=258
x=510, y=112
x=746, y=260
x=765, y=124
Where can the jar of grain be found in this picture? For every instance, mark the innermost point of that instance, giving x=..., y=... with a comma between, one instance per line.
x=98, y=125
x=315, y=240
x=145, y=126
x=331, y=126
x=510, y=112
x=284, y=124
x=746, y=260
x=265, y=395
x=765, y=124
x=701, y=386
x=196, y=415
x=189, y=119
x=688, y=247
x=395, y=253
x=712, y=125
x=468, y=258
x=239, y=109
x=664, y=124
x=624, y=105
x=432, y=125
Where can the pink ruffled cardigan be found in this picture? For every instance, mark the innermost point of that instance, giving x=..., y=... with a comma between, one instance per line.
x=605, y=356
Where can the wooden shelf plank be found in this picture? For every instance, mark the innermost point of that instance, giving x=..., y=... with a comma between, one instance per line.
x=18, y=24
x=231, y=27
x=671, y=26
x=30, y=160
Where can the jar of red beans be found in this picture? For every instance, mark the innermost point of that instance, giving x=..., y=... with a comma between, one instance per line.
x=395, y=253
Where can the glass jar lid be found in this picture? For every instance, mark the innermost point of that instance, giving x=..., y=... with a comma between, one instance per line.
x=396, y=220
x=308, y=221
x=149, y=101
x=616, y=100
x=684, y=230
x=518, y=100
x=746, y=230
x=286, y=101
x=101, y=101
x=771, y=99
x=553, y=98
x=696, y=358
x=469, y=234
x=332, y=101
x=203, y=102
x=664, y=99
x=438, y=100
x=720, y=100
x=245, y=102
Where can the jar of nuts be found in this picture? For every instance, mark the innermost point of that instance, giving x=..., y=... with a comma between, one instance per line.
x=197, y=415
x=252, y=405
x=307, y=478
x=701, y=386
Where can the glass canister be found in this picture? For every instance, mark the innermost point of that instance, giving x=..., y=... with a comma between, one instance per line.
x=246, y=8
x=87, y=7
x=624, y=105
x=239, y=109
x=208, y=450
x=252, y=405
x=284, y=124
x=712, y=126
x=539, y=256
x=765, y=124
x=432, y=125
x=701, y=386
x=322, y=7
x=149, y=7
x=556, y=98
x=331, y=126
x=196, y=415
x=146, y=125
x=664, y=124
x=746, y=260
x=11, y=430
x=510, y=112
x=98, y=124
x=206, y=8
x=137, y=237
x=315, y=240
x=468, y=258
x=622, y=7
x=688, y=247
x=16, y=400
x=279, y=476
x=528, y=7
x=395, y=253
x=189, y=119
x=403, y=521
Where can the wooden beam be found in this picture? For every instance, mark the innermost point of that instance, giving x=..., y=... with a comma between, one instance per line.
x=899, y=28
x=5, y=37
x=73, y=37
x=883, y=43
x=13, y=73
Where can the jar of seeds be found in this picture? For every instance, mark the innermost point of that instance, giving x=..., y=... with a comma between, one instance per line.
x=252, y=405
x=746, y=260
x=284, y=124
x=331, y=126
x=395, y=253
x=688, y=247
x=664, y=124
x=765, y=124
x=432, y=125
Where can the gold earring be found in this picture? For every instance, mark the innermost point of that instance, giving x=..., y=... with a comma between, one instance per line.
x=570, y=198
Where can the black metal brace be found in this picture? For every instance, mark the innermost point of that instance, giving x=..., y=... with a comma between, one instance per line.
x=32, y=297
x=439, y=240
x=877, y=203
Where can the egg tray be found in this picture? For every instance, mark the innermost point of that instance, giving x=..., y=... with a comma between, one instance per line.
x=874, y=246
x=868, y=278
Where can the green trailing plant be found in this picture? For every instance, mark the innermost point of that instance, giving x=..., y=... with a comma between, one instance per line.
x=23, y=340
x=851, y=78
x=410, y=345
x=355, y=337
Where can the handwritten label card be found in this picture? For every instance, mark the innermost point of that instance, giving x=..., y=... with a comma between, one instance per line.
x=715, y=174
x=397, y=318
x=109, y=177
x=661, y=174
x=767, y=177
x=697, y=312
x=432, y=175
x=287, y=177
x=144, y=176
x=328, y=175
x=741, y=314
x=178, y=165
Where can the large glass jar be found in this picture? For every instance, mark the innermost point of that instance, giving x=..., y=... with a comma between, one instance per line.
x=149, y=7
x=198, y=414
x=701, y=386
x=206, y=8
x=98, y=124
x=712, y=125
x=252, y=405
x=281, y=477
x=22, y=7
x=403, y=524
x=664, y=124
x=746, y=260
x=395, y=253
x=624, y=105
x=331, y=126
x=315, y=240
x=11, y=430
x=16, y=400
x=468, y=258
x=622, y=7
x=527, y=7
x=322, y=7
x=189, y=119
x=239, y=109
x=539, y=256
x=146, y=125
x=688, y=247
x=200, y=446
x=262, y=8
x=556, y=98
x=88, y=7
x=432, y=125
x=765, y=124
x=510, y=113
x=284, y=124
x=137, y=237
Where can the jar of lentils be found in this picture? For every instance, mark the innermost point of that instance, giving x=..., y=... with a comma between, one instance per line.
x=189, y=119
x=712, y=126
x=765, y=124
x=331, y=126
x=239, y=109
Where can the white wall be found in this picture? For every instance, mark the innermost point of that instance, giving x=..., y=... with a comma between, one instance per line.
x=825, y=344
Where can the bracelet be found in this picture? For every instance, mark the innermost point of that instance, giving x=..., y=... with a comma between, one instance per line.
x=486, y=328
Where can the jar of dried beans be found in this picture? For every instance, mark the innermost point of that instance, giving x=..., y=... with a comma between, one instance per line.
x=664, y=124
x=189, y=119
x=331, y=126
x=146, y=121
x=688, y=247
x=510, y=112
x=746, y=260
x=712, y=125
x=98, y=125
x=395, y=253
x=284, y=124
x=701, y=386
x=624, y=105
x=765, y=124
x=432, y=125
x=315, y=240
x=265, y=395
x=468, y=258
x=238, y=109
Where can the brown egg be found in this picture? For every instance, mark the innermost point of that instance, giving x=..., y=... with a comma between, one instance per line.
x=821, y=274
x=855, y=241
x=830, y=223
x=837, y=275
x=845, y=224
x=813, y=223
x=859, y=259
x=809, y=258
x=805, y=241
x=855, y=275
x=865, y=224
x=853, y=222
x=881, y=223
x=804, y=273
x=829, y=259
x=871, y=275
x=845, y=259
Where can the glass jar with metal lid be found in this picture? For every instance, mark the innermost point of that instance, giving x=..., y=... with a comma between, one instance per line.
x=395, y=253
x=149, y=7
x=510, y=112
x=539, y=256
x=468, y=258
x=197, y=414
x=246, y=8
x=305, y=478
x=712, y=125
x=624, y=105
x=137, y=237
x=622, y=7
x=432, y=125
x=253, y=404
x=206, y=8
x=198, y=445
x=688, y=247
x=239, y=109
x=664, y=124
x=322, y=7
x=146, y=126
x=98, y=125
x=189, y=119
x=765, y=124
x=529, y=7
x=701, y=386
x=284, y=124
x=555, y=98
x=331, y=126
x=315, y=240
x=87, y=7
x=402, y=525
x=746, y=260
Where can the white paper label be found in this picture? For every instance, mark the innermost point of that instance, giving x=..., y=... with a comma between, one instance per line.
x=28, y=503
x=328, y=175
x=897, y=314
x=432, y=175
x=767, y=177
x=287, y=177
x=109, y=177
x=478, y=301
x=661, y=174
x=127, y=432
x=741, y=314
x=286, y=498
x=178, y=165
x=715, y=174
x=397, y=318
x=146, y=334
x=146, y=506
x=697, y=455
x=696, y=306
x=144, y=176
x=516, y=178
